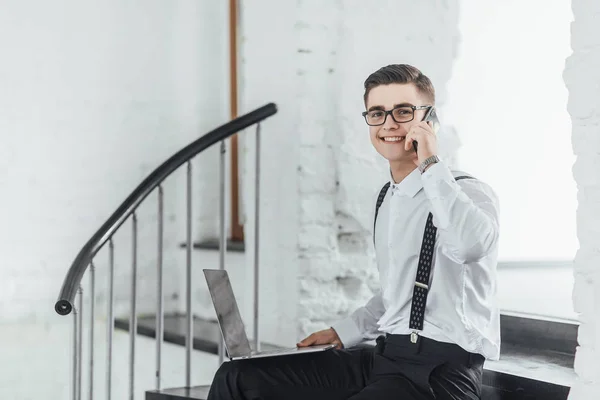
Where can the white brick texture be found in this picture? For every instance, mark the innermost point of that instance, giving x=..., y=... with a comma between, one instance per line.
x=338, y=46
x=582, y=78
x=319, y=227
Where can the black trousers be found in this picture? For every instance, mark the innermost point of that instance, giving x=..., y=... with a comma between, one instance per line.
x=395, y=369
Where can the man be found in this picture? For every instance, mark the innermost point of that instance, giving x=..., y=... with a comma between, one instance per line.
x=436, y=240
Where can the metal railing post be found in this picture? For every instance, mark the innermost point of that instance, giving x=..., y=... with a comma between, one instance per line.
x=110, y=327
x=188, y=284
x=92, y=317
x=256, y=238
x=223, y=229
x=133, y=316
x=160, y=311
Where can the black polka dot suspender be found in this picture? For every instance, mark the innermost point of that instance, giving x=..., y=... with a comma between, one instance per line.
x=380, y=199
x=421, y=287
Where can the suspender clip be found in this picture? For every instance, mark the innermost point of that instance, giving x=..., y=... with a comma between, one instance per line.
x=414, y=337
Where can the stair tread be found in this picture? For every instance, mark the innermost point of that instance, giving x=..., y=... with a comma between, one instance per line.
x=545, y=365
x=532, y=369
x=192, y=393
x=501, y=379
x=201, y=393
x=214, y=244
x=206, y=332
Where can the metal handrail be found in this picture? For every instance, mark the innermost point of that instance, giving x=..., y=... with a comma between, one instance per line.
x=64, y=304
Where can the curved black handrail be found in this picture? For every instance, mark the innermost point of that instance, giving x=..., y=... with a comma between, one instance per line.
x=64, y=304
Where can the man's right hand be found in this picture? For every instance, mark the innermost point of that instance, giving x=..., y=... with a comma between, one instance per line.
x=326, y=336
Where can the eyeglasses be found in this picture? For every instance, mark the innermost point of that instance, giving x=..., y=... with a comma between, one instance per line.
x=399, y=114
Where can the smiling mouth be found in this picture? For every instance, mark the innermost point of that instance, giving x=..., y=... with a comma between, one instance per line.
x=392, y=139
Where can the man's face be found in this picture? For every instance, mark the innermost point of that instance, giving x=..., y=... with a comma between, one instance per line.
x=388, y=139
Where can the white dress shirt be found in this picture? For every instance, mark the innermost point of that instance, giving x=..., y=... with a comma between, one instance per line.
x=461, y=304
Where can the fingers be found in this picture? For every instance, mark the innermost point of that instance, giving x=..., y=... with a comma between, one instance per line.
x=308, y=341
x=410, y=138
x=417, y=132
x=326, y=336
x=408, y=142
x=425, y=127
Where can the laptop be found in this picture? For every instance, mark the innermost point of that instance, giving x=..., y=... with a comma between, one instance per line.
x=232, y=326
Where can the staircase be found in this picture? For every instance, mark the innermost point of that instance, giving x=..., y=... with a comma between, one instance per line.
x=71, y=297
x=537, y=355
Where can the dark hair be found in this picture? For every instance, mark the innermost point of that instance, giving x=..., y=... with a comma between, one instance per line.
x=400, y=73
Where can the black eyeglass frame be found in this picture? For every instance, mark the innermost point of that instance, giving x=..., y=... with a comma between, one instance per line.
x=389, y=112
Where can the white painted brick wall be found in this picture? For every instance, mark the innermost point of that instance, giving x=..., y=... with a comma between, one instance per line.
x=314, y=66
x=361, y=39
x=139, y=91
x=582, y=78
x=318, y=57
x=268, y=74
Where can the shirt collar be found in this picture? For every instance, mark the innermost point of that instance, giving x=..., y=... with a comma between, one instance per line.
x=409, y=186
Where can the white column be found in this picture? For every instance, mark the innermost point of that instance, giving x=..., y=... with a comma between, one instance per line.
x=582, y=78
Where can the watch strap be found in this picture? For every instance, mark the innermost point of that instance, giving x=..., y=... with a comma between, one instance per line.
x=428, y=161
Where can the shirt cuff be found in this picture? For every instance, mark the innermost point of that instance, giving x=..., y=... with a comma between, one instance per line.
x=432, y=177
x=437, y=172
x=348, y=332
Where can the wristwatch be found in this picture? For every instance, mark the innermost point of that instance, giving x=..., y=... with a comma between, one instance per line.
x=428, y=162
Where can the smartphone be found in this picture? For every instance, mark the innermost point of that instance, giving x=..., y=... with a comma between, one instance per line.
x=430, y=116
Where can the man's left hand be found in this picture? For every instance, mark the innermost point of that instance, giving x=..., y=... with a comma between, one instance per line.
x=423, y=134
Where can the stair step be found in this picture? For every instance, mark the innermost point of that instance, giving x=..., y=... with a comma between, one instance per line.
x=206, y=332
x=193, y=393
x=488, y=393
x=507, y=386
x=213, y=244
x=525, y=368
x=201, y=393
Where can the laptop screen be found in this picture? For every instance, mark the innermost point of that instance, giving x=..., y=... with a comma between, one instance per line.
x=228, y=314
